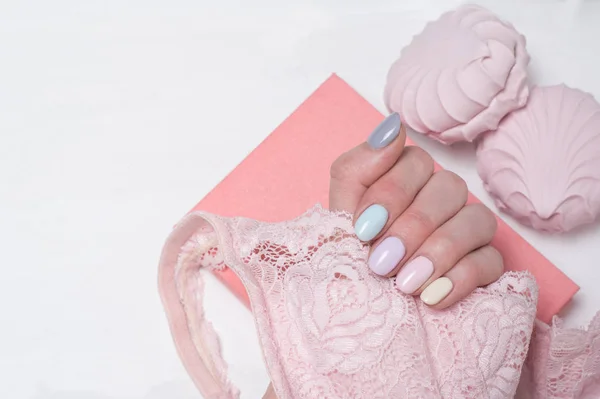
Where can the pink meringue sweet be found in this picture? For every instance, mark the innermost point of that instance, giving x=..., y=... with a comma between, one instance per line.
x=460, y=76
x=542, y=165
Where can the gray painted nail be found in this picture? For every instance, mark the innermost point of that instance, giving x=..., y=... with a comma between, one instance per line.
x=386, y=132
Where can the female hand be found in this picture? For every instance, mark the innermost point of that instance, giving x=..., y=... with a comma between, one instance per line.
x=422, y=232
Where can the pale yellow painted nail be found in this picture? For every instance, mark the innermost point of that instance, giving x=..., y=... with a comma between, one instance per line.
x=436, y=291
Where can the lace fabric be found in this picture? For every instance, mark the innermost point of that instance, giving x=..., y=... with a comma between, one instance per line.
x=329, y=328
x=562, y=363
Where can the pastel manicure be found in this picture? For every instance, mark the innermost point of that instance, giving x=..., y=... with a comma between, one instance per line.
x=436, y=291
x=386, y=256
x=414, y=274
x=385, y=132
x=370, y=222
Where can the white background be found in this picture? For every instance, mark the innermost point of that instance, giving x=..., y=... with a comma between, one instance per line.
x=116, y=117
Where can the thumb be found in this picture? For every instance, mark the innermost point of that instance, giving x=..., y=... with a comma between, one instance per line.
x=353, y=172
x=270, y=394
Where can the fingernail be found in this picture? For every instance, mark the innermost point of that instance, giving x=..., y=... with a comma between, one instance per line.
x=414, y=274
x=436, y=291
x=386, y=256
x=370, y=223
x=385, y=132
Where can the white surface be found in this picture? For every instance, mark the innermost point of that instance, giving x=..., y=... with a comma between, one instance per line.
x=116, y=117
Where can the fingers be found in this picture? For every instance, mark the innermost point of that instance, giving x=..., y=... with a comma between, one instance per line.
x=421, y=231
x=388, y=197
x=356, y=170
x=471, y=228
x=479, y=268
x=442, y=197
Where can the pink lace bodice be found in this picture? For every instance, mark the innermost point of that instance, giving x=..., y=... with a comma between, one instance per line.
x=330, y=329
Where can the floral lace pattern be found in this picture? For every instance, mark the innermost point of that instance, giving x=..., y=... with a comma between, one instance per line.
x=563, y=363
x=331, y=329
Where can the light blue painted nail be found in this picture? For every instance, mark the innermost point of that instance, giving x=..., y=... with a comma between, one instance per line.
x=370, y=223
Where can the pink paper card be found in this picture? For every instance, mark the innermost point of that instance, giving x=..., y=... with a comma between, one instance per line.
x=289, y=172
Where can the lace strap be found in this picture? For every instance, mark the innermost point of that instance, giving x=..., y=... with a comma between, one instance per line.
x=181, y=289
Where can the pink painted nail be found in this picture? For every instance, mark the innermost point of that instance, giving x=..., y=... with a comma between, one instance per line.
x=386, y=256
x=414, y=274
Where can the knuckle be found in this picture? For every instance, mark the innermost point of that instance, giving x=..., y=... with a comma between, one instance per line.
x=420, y=158
x=395, y=190
x=392, y=191
x=445, y=247
x=495, y=259
x=489, y=266
x=454, y=184
x=485, y=218
x=420, y=218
